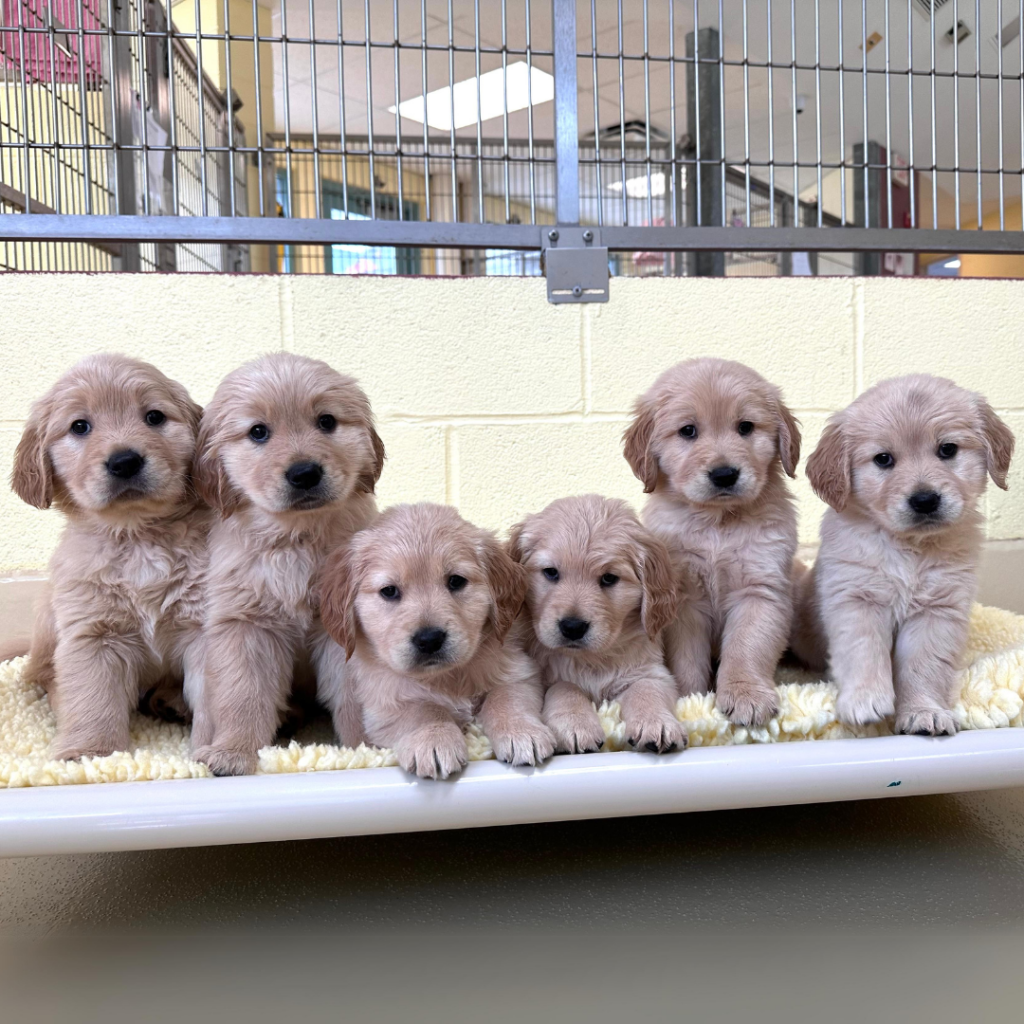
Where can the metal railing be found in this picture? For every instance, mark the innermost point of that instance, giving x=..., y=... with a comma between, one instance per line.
x=749, y=134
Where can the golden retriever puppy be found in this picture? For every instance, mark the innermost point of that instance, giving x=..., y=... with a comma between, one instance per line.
x=601, y=590
x=289, y=456
x=422, y=602
x=111, y=445
x=889, y=596
x=710, y=441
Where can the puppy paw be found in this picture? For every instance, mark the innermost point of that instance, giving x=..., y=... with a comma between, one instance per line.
x=926, y=723
x=660, y=735
x=861, y=706
x=532, y=743
x=747, y=702
x=577, y=732
x=72, y=750
x=227, y=762
x=434, y=752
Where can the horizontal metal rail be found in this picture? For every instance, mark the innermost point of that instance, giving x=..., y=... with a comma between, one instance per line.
x=288, y=231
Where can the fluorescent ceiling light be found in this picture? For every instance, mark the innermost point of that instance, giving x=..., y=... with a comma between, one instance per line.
x=636, y=188
x=516, y=83
x=952, y=264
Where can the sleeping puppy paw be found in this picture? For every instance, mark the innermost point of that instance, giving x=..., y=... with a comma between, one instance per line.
x=747, y=702
x=578, y=732
x=434, y=751
x=661, y=735
x=927, y=723
x=863, y=705
x=530, y=743
x=223, y=761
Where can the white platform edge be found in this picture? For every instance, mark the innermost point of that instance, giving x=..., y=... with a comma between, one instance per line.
x=205, y=812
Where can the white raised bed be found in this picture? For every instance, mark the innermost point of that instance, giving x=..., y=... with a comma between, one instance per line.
x=200, y=812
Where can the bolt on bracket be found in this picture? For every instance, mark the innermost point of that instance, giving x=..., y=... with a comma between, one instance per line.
x=575, y=264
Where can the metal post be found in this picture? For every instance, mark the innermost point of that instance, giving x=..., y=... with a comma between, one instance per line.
x=158, y=65
x=868, y=263
x=703, y=108
x=123, y=96
x=567, y=157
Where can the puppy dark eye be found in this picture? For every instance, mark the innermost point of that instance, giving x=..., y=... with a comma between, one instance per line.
x=155, y=417
x=389, y=593
x=609, y=579
x=81, y=427
x=689, y=431
x=745, y=427
x=884, y=460
x=259, y=432
x=326, y=422
x=456, y=582
x=947, y=450
x=551, y=573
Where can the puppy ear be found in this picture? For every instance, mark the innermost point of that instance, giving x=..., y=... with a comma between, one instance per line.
x=999, y=442
x=208, y=473
x=514, y=546
x=637, y=446
x=190, y=412
x=828, y=468
x=32, y=478
x=789, y=439
x=659, y=579
x=338, y=584
x=368, y=480
x=507, y=580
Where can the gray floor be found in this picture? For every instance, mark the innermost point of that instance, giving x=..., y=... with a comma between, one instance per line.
x=903, y=909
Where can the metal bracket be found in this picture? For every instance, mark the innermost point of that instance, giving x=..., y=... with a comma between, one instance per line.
x=575, y=264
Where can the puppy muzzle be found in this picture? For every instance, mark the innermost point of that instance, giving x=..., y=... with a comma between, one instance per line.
x=308, y=486
x=430, y=647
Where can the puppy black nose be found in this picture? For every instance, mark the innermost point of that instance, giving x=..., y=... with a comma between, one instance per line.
x=724, y=476
x=125, y=464
x=304, y=475
x=429, y=639
x=573, y=629
x=925, y=502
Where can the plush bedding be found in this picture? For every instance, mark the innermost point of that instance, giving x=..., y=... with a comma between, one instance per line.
x=991, y=696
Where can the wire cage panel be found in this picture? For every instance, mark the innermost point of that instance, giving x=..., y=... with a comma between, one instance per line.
x=730, y=114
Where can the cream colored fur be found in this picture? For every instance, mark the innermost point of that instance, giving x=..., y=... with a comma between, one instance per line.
x=589, y=559
x=737, y=543
x=448, y=575
x=888, y=600
x=261, y=617
x=123, y=609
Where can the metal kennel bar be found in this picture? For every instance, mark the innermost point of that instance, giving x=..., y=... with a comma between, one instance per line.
x=678, y=126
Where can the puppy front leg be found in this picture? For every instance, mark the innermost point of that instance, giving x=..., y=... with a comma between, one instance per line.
x=426, y=739
x=95, y=689
x=755, y=635
x=247, y=677
x=649, y=713
x=511, y=718
x=688, y=648
x=860, y=659
x=928, y=649
x=570, y=715
x=40, y=670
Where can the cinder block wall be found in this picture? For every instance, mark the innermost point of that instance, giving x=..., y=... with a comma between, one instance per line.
x=490, y=398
